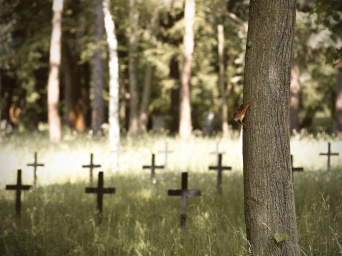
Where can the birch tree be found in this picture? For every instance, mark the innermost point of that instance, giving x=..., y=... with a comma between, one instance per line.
x=114, y=126
x=54, y=121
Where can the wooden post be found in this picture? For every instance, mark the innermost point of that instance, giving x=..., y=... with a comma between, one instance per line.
x=153, y=167
x=91, y=166
x=329, y=154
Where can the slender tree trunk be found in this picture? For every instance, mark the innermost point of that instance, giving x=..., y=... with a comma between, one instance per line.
x=73, y=98
x=55, y=132
x=175, y=94
x=185, y=126
x=97, y=118
x=143, y=115
x=338, y=104
x=268, y=191
x=294, y=101
x=114, y=127
x=220, y=32
x=133, y=72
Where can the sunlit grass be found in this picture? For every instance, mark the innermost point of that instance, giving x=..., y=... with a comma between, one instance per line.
x=59, y=218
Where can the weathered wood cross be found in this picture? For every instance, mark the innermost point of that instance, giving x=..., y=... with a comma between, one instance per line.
x=100, y=190
x=329, y=154
x=91, y=166
x=35, y=165
x=18, y=187
x=184, y=193
x=153, y=167
x=166, y=151
x=219, y=169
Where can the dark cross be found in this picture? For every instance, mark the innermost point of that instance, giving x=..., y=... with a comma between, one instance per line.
x=35, y=165
x=91, y=166
x=184, y=193
x=217, y=152
x=295, y=169
x=19, y=187
x=153, y=167
x=329, y=154
x=166, y=152
x=219, y=169
x=100, y=190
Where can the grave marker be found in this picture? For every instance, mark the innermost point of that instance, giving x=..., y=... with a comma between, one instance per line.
x=166, y=152
x=219, y=169
x=184, y=193
x=18, y=187
x=35, y=165
x=329, y=154
x=153, y=167
x=100, y=190
x=295, y=169
x=91, y=166
x=217, y=151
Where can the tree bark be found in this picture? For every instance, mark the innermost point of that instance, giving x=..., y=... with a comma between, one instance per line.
x=0, y=105
x=97, y=118
x=54, y=121
x=143, y=115
x=133, y=73
x=73, y=97
x=338, y=105
x=294, y=101
x=268, y=191
x=185, y=126
x=114, y=127
x=220, y=32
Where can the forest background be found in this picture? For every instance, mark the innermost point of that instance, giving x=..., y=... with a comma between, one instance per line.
x=150, y=35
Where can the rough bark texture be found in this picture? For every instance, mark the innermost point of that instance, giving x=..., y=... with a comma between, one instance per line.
x=97, y=117
x=55, y=132
x=294, y=102
x=133, y=73
x=220, y=32
x=338, y=106
x=114, y=127
x=269, y=201
x=185, y=126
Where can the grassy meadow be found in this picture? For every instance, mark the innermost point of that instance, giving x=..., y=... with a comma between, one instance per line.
x=59, y=218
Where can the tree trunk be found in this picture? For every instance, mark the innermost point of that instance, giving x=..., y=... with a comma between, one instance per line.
x=133, y=73
x=185, y=126
x=73, y=97
x=114, y=127
x=268, y=191
x=220, y=32
x=338, y=105
x=143, y=115
x=294, y=101
x=0, y=106
x=97, y=118
x=55, y=132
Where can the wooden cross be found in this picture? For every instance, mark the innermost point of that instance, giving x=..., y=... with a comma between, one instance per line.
x=166, y=152
x=295, y=169
x=219, y=169
x=91, y=166
x=100, y=190
x=329, y=154
x=153, y=167
x=184, y=193
x=18, y=187
x=35, y=165
x=217, y=152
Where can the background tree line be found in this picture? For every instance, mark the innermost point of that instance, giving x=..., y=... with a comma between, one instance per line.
x=150, y=49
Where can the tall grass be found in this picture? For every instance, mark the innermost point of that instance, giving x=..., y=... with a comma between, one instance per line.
x=59, y=218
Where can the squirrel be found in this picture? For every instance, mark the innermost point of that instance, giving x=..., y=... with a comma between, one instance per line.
x=240, y=112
